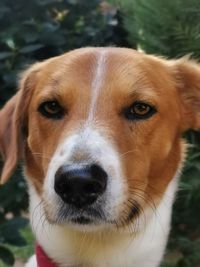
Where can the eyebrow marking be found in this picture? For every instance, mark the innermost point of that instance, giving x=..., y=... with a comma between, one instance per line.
x=97, y=82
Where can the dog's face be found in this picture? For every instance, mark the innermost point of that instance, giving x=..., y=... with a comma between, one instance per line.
x=100, y=132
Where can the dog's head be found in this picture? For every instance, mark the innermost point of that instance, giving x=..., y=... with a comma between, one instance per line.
x=99, y=130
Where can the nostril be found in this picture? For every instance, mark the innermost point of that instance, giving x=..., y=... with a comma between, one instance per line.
x=89, y=188
x=92, y=187
x=61, y=186
x=97, y=171
x=61, y=183
x=99, y=175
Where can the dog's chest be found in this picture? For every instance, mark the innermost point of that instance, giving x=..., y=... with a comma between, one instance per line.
x=137, y=253
x=143, y=251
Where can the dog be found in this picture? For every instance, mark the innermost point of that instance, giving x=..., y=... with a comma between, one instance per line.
x=99, y=131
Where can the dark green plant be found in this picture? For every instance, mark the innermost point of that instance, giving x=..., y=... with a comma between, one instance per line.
x=35, y=30
x=13, y=199
x=170, y=28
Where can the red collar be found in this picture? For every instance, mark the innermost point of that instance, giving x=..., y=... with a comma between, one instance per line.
x=42, y=259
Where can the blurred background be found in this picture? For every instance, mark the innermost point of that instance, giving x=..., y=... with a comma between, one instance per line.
x=35, y=30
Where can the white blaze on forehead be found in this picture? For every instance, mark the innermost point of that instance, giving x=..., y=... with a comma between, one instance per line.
x=97, y=81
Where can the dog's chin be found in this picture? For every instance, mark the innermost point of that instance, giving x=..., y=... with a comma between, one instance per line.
x=82, y=220
x=82, y=223
x=90, y=219
x=88, y=224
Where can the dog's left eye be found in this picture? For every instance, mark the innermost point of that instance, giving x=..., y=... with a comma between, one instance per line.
x=139, y=111
x=51, y=109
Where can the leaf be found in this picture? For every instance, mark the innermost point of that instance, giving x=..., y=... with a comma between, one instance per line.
x=73, y=2
x=16, y=240
x=4, y=11
x=49, y=27
x=6, y=256
x=4, y=55
x=10, y=234
x=10, y=43
x=30, y=48
x=16, y=223
x=45, y=2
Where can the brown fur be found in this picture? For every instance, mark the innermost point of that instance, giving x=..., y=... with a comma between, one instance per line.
x=151, y=150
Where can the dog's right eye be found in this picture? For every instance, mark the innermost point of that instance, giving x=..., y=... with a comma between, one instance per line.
x=51, y=109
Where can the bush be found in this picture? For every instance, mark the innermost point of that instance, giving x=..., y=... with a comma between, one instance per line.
x=169, y=28
x=36, y=30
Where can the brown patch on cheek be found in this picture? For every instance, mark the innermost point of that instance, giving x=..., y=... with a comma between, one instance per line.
x=41, y=144
x=33, y=170
x=165, y=154
x=44, y=137
x=147, y=179
x=136, y=165
x=131, y=128
x=150, y=153
x=152, y=170
x=163, y=170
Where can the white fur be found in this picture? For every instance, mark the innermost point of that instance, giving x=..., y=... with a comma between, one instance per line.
x=97, y=82
x=95, y=148
x=117, y=249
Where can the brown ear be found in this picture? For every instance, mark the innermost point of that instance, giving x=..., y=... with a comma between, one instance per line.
x=9, y=148
x=13, y=124
x=187, y=74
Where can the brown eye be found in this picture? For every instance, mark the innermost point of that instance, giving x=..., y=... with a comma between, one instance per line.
x=51, y=109
x=139, y=111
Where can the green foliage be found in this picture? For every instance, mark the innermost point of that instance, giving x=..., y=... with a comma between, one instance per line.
x=184, y=243
x=28, y=250
x=170, y=28
x=35, y=30
x=6, y=255
x=13, y=199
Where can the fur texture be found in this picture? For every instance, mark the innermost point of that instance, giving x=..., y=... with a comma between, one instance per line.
x=139, y=146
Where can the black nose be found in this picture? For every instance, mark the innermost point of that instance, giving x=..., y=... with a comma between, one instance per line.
x=80, y=185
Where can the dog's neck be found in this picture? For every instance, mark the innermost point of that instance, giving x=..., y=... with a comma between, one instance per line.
x=68, y=247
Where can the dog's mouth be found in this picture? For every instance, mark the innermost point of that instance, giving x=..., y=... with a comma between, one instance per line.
x=82, y=220
x=76, y=216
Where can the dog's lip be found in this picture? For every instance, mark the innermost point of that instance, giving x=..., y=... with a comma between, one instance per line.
x=82, y=220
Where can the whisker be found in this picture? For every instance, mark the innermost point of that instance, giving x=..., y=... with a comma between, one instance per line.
x=40, y=155
x=127, y=152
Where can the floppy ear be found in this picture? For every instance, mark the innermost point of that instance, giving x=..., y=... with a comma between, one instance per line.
x=187, y=74
x=13, y=124
x=9, y=138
